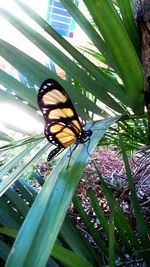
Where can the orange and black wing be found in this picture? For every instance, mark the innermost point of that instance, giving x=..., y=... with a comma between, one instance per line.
x=62, y=125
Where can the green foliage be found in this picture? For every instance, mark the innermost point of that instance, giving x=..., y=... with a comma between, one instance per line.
x=71, y=248
x=120, y=89
x=133, y=131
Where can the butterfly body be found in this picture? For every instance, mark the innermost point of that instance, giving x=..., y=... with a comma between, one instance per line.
x=62, y=125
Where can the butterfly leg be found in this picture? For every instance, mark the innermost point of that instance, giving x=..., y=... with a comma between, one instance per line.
x=88, y=147
x=71, y=151
x=87, y=140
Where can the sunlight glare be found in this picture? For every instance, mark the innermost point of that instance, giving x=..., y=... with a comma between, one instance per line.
x=18, y=118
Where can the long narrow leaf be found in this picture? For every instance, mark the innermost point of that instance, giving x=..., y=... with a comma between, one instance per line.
x=10, y=164
x=111, y=241
x=26, y=94
x=64, y=62
x=68, y=257
x=27, y=190
x=4, y=250
x=89, y=30
x=11, y=213
x=75, y=240
x=46, y=216
x=37, y=73
x=105, y=81
x=129, y=22
x=102, y=220
x=5, y=137
x=17, y=201
x=85, y=218
x=121, y=221
x=122, y=50
x=142, y=228
x=7, y=221
x=6, y=183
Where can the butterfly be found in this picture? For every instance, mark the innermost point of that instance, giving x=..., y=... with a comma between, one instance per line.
x=62, y=125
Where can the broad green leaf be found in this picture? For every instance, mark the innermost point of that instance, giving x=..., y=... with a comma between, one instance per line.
x=46, y=216
x=75, y=241
x=4, y=249
x=61, y=254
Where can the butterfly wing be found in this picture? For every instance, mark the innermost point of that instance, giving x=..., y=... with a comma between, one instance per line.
x=62, y=125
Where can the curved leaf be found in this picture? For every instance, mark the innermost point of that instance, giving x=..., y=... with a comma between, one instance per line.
x=46, y=216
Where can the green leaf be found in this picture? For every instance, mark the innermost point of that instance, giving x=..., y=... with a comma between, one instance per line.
x=26, y=94
x=142, y=228
x=18, y=202
x=88, y=29
x=4, y=250
x=9, y=232
x=87, y=221
x=29, y=193
x=7, y=221
x=102, y=220
x=111, y=241
x=21, y=142
x=129, y=22
x=6, y=183
x=76, y=242
x=63, y=61
x=5, y=137
x=46, y=216
x=106, y=82
x=36, y=73
x=12, y=163
x=68, y=257
x=61, y=254
x=122, y=50
x=121, y=223
x=9, y=217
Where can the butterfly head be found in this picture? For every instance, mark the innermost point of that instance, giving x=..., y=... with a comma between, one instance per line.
x=88, y=133
x=85, y=136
